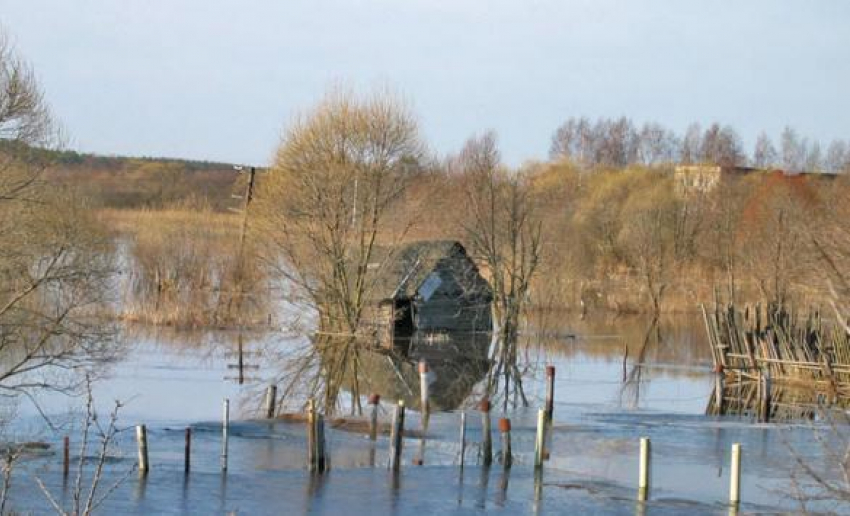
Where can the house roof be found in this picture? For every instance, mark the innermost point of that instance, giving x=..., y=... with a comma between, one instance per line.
x=400, y=271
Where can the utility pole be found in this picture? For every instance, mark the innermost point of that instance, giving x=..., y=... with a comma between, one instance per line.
x=249, y=196
x=239, y=287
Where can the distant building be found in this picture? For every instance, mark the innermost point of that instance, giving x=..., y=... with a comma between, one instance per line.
x=429, y=287
x=705, y=178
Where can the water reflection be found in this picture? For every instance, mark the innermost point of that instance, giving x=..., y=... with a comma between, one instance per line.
x=457, y=362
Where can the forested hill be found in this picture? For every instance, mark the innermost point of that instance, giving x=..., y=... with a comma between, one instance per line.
x=135, y=182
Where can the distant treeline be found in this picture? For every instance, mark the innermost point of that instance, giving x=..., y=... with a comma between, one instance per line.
x=131, y=182
x=618, y=142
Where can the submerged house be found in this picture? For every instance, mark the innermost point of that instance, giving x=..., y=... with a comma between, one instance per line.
x=428, y=288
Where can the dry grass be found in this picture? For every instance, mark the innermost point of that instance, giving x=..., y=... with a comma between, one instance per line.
x=182, y=268
x=193, y=218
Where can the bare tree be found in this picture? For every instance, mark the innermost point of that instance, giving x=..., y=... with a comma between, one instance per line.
x=691, y=144
x=656, y=145
x=54, y=263
x=837, y=157
x=764, y=154
x=655, y=234
x=325, y=203
x=721, y=146
x=88, y=495
x=503, y=232
x=24, y=114
x=793, y=150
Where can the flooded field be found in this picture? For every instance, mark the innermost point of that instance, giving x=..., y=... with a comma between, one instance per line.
x=170, y=381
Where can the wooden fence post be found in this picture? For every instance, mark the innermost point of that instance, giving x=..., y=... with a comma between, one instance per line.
x=766, y=395
x=462, y=438
x=719, y=389
x=311, y=435
x=322, y=463
x=550, y=391
x=225, y=424
x=735, y=476
x=505, y=430
x=397, y=436
x=142, y=439
x=424, y=391
x=271, y=401
x=487, y=435
x=374, y=400
x=644, y=469
x=187, y=451
x=66, y=456
x=540, y=442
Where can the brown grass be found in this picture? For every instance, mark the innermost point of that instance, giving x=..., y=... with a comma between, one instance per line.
x=183, y=269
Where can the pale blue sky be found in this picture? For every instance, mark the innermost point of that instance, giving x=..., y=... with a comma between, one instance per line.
x=218, y=80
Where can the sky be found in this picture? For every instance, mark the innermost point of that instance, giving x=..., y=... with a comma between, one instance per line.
x=220, y=80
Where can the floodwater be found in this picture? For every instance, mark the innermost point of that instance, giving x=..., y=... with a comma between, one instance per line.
x=171, y=380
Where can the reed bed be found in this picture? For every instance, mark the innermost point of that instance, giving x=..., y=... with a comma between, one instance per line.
x=186, y=268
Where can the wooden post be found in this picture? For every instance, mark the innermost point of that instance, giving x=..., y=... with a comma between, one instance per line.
x=225, y=423
x=766, y=396
x=644, y=471
x=424, y=392
x=487, y=435
x=374, y=400
x=66, y=456
x=462, y=438
x=311, y=435
x=505, y=430
x=187, y=451
x=550, y=391
x=719, y=389
x=142, y=440
x=271, y=401
x=397, y=436
x=241, y=361
x=735, y=476
x=541, y=437
x=322, y=463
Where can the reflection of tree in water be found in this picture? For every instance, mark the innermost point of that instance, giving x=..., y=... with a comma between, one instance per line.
x=632, y=382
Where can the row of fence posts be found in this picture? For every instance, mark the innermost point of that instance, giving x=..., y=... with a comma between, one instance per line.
x=318, y=460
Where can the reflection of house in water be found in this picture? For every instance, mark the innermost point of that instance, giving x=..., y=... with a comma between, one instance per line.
x=457, y=361
x=430, y=287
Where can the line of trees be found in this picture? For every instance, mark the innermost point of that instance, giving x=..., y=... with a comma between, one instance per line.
x=619, y=142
